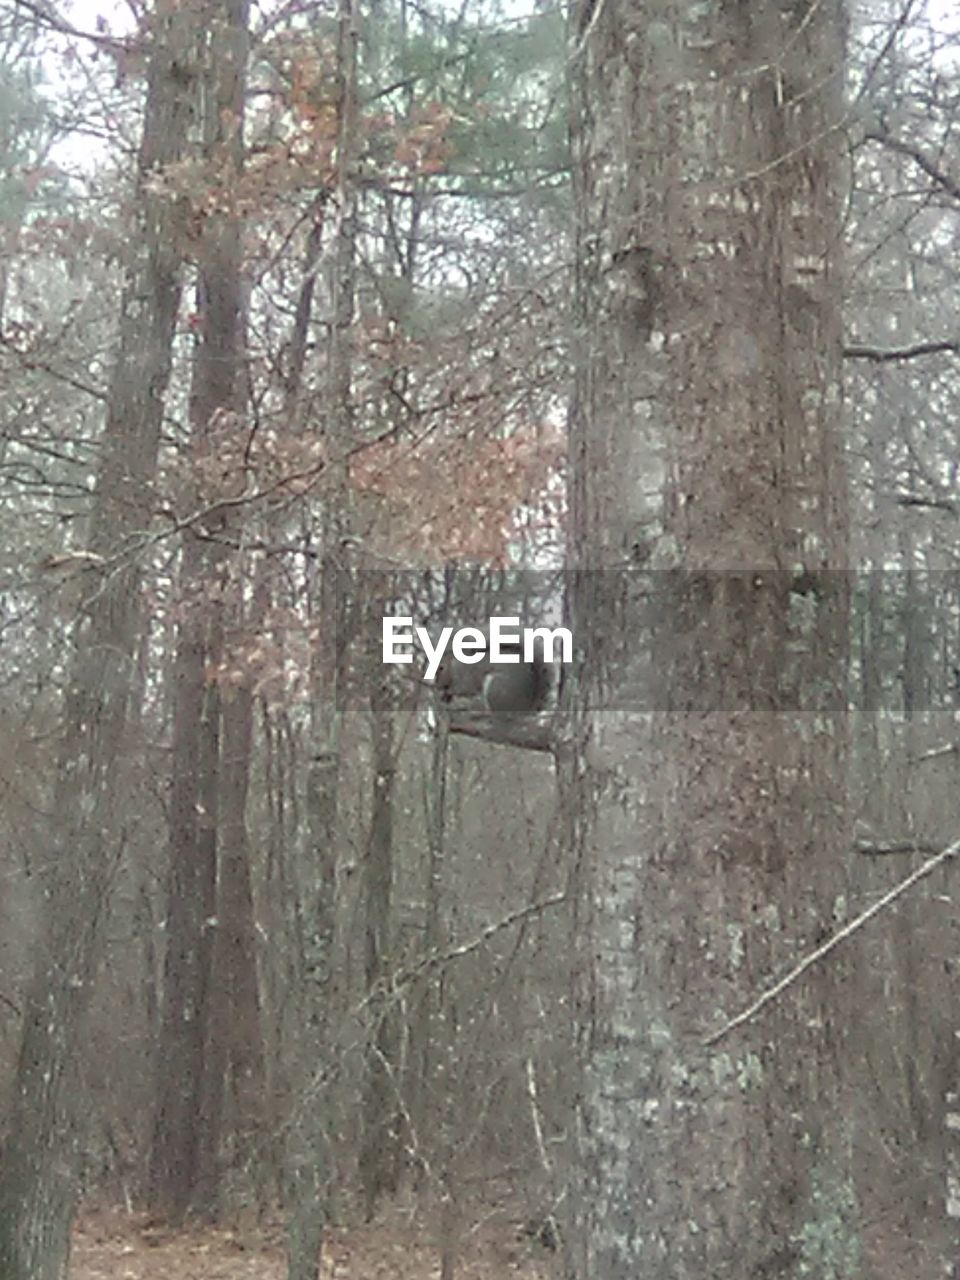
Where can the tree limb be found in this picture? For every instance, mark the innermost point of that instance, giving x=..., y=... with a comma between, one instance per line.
x=47, y=16
x=880, y=848
x=918, y=500
x=937, y=753
x=11, y=1005
x=883, y=355
x=943, y=180
x=528, y=732
x=771, y=994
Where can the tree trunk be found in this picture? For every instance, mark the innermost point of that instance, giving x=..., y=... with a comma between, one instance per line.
x=186, y=1127
x=307, y=1158
x=235, y=1066
x=175, y=1154
x=706, y=786
x=380, y=1154
x=38, y=1161
x=428, y=1017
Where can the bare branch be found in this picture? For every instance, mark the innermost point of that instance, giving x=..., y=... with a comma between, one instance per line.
x=528, y=732
x=937, y=753
x=883, y=355
x=881, y=848
x=943, y=180
x=10, y=1004
x=48, y=17
x=918, y=500
x=440, y=959
x=848, y=930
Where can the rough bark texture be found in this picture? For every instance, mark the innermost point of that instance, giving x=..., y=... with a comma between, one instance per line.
x=379, y=1162
x=706, y=785
x=186, y=1127
x=307, y=1156
x=235, y=1089
x=38, y=1161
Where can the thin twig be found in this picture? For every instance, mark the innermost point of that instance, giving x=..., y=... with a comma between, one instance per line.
x=933, y=504
x=535, y=1118
x=831, y=944
x=881, y=849
x=945, y=181
x=588, y=30
x=11, y=1005
x=440, y=959
x=882, y=355
x=937, y=753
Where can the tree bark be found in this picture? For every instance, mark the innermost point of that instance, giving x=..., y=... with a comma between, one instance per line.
x=186, y=1125
x=235, y=1069
x=39, y=1157
x=307, y=1157
x=706, y=782
x=380, y=1152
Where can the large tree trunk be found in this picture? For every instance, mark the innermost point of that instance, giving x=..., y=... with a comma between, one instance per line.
x=234, y=1092
x=308, y=1150
x=707, y=790
x=38, y=1161
x=186, y=1135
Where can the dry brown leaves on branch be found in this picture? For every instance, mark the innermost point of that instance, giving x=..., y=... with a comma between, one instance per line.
x=458, y=499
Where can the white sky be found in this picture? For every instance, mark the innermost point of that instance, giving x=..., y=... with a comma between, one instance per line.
x=116, y=14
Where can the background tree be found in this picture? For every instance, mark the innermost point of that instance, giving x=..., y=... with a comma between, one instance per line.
x=42, y=1145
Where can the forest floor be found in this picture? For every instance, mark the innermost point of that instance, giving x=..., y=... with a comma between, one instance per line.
x=122, y=1246
x=126, y=1247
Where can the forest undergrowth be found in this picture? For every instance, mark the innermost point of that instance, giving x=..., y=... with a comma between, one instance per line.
x=125, y=1246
